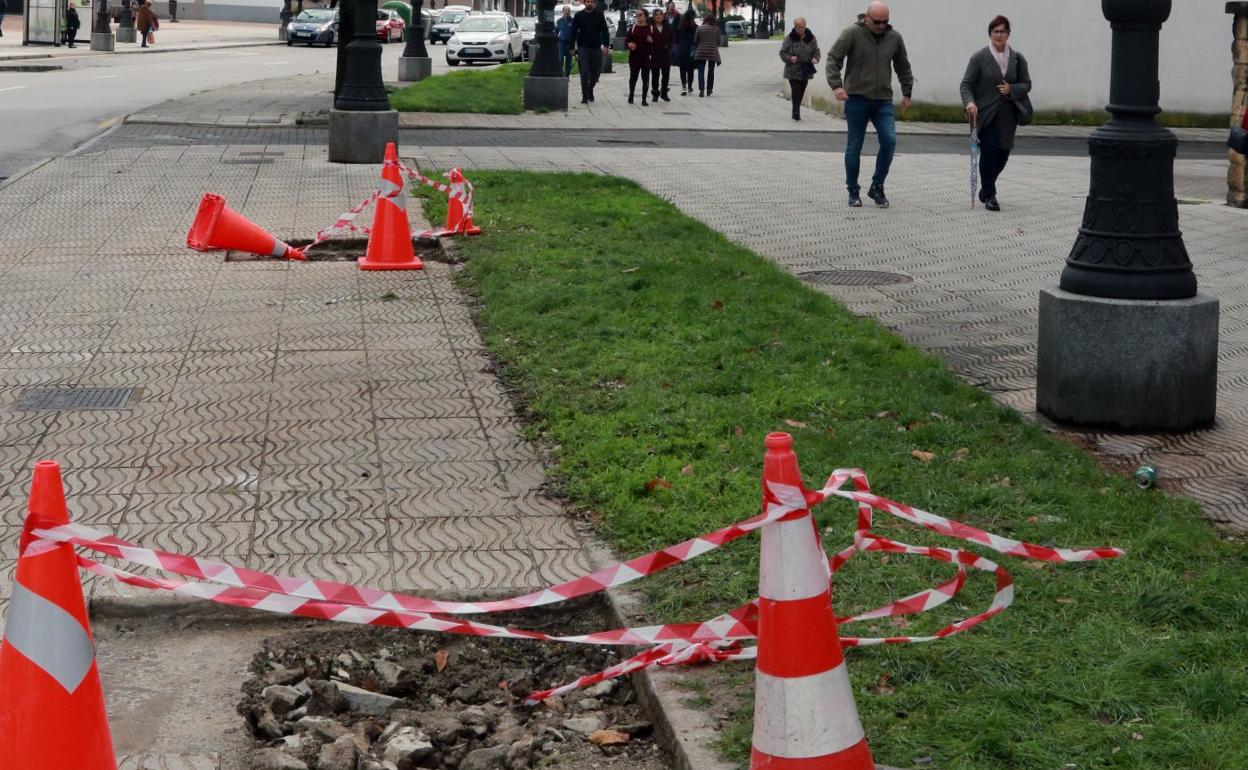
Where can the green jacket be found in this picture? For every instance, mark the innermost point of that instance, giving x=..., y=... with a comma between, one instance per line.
x=868, y=60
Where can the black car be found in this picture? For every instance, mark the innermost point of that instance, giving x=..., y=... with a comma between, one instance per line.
x=444, y=26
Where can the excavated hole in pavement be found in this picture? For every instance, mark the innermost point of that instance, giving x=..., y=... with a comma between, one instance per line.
x=338, y=250
x=445, y=702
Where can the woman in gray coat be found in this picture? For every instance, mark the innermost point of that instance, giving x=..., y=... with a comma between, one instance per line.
x=996, y=79
x=800, y=54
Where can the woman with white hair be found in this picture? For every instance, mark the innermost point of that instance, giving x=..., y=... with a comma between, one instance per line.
x=800, y=54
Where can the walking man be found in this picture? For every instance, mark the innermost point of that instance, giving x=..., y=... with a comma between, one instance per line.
x=72, y=24
x=593, y=41
x=869, y=51
x=563, y=31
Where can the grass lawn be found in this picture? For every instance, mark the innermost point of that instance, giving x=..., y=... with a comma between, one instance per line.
x=926, y=112
x=674, y=361
x=494, y=90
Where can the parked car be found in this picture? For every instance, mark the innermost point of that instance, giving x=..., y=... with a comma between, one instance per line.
x=528, y=28
x=734, y=28
x=313, y=26
x=448, y=19
x=390, y=26
x=485, y=37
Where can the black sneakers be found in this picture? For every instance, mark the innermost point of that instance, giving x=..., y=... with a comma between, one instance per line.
x=854, y=201
x=876, y=193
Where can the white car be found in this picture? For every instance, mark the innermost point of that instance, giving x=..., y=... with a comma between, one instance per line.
x=485, y=37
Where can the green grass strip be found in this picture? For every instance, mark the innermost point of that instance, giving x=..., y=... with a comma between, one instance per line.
x=494, y=90
x=647, y=347
x=926, y=112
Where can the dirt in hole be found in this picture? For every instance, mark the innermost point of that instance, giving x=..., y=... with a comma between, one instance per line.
x=445, y=702
x=339, y=250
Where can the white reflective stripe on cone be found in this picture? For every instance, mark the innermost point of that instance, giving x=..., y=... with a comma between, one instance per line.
x=279, y=249
x=807, y=716
x=792, y=566
x=49, y=637
x=388, y=188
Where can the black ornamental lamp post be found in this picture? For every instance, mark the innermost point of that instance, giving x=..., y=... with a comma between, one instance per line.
x=362, y=87
x=545, y=87
x=415, y=63
x=361, y=122
x=102, y=38
x=1126, y=341
x=125, y=24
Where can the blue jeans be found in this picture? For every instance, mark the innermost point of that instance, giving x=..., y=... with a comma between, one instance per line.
x=705, y=68
x=860, y=110
x=566, y=54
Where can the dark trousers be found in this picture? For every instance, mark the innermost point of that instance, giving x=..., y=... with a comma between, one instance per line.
x=992, y=160
x=565, y=57
x=706, y=66
x=173, y=10
x=590, y=62
x=71, y=34
x=798, y=87
x=633, y=72
x=659, y=76
x=686, y=77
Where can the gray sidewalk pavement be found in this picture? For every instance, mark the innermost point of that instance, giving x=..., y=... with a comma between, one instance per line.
x=171, y=37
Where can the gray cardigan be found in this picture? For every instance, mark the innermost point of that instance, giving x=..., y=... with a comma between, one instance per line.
x=979, y=85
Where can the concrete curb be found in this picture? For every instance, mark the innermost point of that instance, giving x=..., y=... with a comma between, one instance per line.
x=21, y=172
x=29, y=67
x=139, y=50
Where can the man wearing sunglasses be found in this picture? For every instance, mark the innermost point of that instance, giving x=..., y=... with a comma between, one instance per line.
x=867, y=53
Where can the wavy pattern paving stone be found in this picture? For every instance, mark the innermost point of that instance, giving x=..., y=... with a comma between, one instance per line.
x=203, y=508
x=336, y=535
x=311, y=478
x=461, y=533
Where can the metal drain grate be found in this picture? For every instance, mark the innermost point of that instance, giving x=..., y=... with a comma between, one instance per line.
x=68, y=399
x=853, y=278
x=246, y=161
x=625, y=141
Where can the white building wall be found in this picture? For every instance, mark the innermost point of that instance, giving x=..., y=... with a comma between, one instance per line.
x=1066, y=42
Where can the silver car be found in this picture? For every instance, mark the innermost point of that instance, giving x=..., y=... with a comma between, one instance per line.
x=313, y=26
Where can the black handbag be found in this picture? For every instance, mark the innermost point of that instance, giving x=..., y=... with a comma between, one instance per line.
x=808, y=69
x=1023, y=113
x=1238, y=140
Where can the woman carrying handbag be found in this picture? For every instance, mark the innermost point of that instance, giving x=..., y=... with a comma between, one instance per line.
x=995, y=90
x=800, y=54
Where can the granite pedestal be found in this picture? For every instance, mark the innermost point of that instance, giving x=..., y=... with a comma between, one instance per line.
x=360, y=136
x=413, y=68
x=1135, y=365
x=103, y=41
x=550, y=93
x=127, y=35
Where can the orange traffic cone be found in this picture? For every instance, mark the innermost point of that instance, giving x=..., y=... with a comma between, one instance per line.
x=458, y=209
x=804, y=712
x=390, y=242
x=52, y=712
x=217, y=226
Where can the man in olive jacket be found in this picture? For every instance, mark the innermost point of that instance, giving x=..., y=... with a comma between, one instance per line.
x=868, y=51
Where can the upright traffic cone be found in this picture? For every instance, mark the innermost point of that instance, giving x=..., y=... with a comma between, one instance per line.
x=390, y=242
x=458, y=209
x=217, y=226
x=52, y=712
x=804, y=712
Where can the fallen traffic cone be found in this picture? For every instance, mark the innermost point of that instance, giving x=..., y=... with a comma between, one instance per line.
x=52, y=712
x=458, y=209
x=804, y=712
x=390, y=241
x=217, y=226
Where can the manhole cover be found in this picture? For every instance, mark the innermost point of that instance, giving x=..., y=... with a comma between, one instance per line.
x=853, y=278
x=67, y=399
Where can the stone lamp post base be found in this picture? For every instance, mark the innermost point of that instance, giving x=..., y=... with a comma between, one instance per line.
x=360, y=136
x=1127, y=364
x=126, y=35
x=413, y=68
x=546, y=93
x=103, y=41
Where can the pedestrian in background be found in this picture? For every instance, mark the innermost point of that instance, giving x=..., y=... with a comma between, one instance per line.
x=563, y=31
x=682, y=50
x=640, y=41
x=173, y=10
x=996, y=79
x=706, y=53
x=869, y=51
x=800, y=54
x=144, y=21
x=661, y=57
x=72, y=24
x=4, y=8
x=593, y=41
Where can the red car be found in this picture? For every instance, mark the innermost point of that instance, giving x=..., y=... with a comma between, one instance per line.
x=390, y=26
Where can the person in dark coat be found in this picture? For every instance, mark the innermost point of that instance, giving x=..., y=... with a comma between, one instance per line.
x=145, y=21
x=593, y=41
x=800, y=54
x=661, y=56
x=72, y=24
x=996, y=77
x=4, y=7
x=640, y=41
x=682, y=50
x=706, y=53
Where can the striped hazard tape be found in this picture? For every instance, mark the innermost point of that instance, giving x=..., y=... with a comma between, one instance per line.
x=718, y=639
x=346, y=222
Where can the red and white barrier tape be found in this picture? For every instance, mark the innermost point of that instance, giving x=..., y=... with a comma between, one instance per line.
x=713, y=640
x=346, y=222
